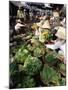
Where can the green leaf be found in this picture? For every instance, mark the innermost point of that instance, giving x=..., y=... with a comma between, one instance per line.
x=39, y=50
x=63, y=82
x=13, y=68
x=62, y=69
x=21, y=55
x=27, y=82
x=48, y=74
x=30, y=48
x=32, y=65
x=51, y=57
x=42, y=38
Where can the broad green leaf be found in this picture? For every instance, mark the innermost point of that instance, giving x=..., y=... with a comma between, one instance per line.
x=48, y=74
x=51, y=57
